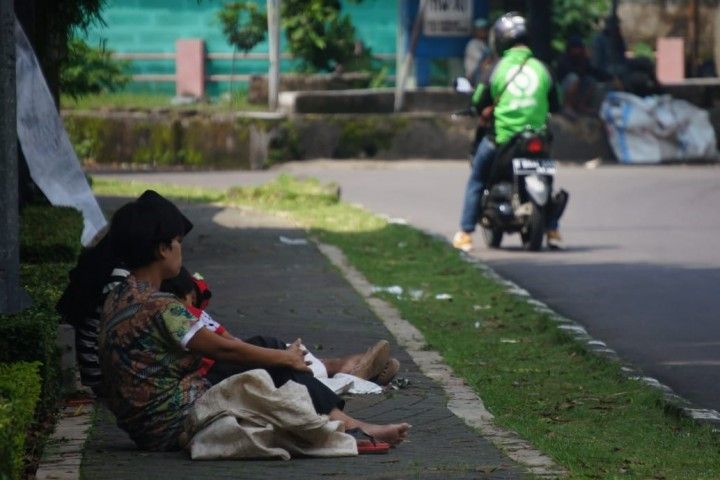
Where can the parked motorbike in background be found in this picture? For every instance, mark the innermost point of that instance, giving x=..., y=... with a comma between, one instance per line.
x=519, y=197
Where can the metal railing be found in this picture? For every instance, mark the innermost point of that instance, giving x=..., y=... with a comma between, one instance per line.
x=217, y=56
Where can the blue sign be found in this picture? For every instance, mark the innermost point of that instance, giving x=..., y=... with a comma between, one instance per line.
x=431, y=43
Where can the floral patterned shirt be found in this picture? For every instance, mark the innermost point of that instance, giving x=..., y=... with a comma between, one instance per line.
x=150, y=379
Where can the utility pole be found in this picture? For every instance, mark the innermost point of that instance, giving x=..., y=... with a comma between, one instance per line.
x=694, y=35
x=12, y=296
x=540, y=16
x=401, y=75
x=273, y=16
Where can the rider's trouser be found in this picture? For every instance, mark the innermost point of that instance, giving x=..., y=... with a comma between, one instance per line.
x=476, y=184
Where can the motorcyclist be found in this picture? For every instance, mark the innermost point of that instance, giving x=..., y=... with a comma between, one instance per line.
x=519, y=93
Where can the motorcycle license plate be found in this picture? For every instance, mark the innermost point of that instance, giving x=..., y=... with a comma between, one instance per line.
x=529, y=166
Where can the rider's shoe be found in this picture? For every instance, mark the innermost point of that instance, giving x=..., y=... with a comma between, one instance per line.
x=462, y=241
x=554, y=240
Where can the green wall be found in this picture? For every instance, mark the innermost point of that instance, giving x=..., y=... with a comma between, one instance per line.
x=134, y=26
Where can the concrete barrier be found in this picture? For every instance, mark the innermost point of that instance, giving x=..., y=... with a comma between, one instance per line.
x=195, y=139
x=377, y=100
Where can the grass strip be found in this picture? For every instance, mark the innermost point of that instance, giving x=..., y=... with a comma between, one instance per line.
x=145, y=101
x=536, y=380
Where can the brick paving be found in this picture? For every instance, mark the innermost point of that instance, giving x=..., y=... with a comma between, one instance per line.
x=262, y=286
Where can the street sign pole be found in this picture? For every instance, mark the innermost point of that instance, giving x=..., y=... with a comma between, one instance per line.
x=12, y=297
x=273, y=16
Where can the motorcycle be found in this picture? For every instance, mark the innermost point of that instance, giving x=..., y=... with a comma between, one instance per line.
x=519, y=195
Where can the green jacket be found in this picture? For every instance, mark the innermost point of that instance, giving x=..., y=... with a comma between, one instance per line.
x=526, y=100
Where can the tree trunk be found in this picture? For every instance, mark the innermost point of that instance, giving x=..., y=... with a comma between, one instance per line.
x=38, y=30
x=540, y=23
x=49, y=44
x=12, y=296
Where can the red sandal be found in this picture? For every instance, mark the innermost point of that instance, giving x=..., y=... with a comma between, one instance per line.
x=366, y=444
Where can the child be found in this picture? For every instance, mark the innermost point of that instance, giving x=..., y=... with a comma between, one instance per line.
x=194, y=293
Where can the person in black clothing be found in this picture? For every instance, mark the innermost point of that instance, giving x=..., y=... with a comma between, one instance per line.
x=578, y=79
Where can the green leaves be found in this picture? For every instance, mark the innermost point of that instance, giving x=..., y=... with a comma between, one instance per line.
x=243, y=25
x=317, y=33
x=577, y=17
x=88, y=70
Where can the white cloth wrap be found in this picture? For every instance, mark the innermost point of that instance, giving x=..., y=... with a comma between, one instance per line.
x=50, y=156
x=245, y=416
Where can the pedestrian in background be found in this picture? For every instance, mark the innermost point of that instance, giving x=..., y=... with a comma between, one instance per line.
x=478, y=55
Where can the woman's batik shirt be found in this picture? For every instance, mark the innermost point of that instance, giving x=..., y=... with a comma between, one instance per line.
x=150, y=378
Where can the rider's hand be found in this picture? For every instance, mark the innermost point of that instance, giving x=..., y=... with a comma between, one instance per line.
x=486, y=115
x=296, y=357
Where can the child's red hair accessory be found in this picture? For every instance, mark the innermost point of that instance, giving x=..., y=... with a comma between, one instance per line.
x=203, y=291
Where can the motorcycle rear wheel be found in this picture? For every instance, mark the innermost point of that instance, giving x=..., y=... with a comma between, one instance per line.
x=492, y=236
x=533, y=231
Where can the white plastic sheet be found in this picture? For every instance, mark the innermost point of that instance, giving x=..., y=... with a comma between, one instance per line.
x=50, y=156
x=657, y=128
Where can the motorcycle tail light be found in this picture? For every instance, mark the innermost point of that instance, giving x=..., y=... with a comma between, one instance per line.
x=534, y=145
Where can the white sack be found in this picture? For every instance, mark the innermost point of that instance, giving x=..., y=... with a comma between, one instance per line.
x=657, y=128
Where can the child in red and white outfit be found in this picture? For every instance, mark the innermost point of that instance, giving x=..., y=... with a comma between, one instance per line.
x=193, y=291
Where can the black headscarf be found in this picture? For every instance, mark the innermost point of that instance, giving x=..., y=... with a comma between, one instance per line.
x=136, y=230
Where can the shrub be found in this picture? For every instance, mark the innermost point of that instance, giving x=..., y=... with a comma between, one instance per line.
x=19, y=393
x=49, y=244
x=88, y=70
x=49, y=234
x=30, y=335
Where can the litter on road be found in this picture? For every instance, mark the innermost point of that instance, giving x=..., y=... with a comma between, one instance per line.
x=292, y=241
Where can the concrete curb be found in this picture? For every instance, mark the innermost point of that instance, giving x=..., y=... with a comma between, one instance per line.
x=673, y=401
x=63, y=453
x=462, y=400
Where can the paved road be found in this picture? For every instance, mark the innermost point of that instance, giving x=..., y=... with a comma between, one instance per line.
x=642, y=267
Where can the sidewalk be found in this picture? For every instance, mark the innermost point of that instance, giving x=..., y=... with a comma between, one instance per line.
x=263, y=286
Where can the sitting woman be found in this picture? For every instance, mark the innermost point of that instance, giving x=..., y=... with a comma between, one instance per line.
x=151, y=347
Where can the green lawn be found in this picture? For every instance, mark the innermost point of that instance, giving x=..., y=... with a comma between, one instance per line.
x=575, y=406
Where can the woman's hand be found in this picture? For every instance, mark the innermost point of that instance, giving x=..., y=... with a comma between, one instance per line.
x=296, y=357
x=233, y=350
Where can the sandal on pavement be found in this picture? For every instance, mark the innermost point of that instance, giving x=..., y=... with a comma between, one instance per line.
x=367, y=444
x=373, y=361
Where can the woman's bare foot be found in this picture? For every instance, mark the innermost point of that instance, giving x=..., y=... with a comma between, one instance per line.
x=393, y=433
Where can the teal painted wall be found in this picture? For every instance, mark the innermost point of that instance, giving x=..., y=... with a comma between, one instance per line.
x=134, y=26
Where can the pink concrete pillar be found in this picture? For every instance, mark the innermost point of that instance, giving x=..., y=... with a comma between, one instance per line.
x=190, y=67
x=670, y=60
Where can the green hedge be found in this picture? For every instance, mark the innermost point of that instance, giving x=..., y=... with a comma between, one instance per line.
x=30, y=335
x=49, y=234
x=49, y=245
x=19, y=393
